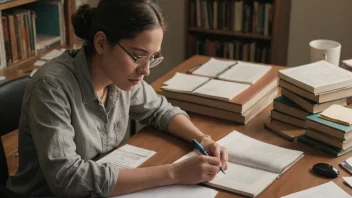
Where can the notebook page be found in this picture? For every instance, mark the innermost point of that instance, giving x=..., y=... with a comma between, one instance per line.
x=251, y=152
x=184, y=82
x=173, y=191
x=242, y=72
x=127, y=156
x=239, y=178
x=213, y=67
x=317, y=74
x=222, y=90
x=327, y=190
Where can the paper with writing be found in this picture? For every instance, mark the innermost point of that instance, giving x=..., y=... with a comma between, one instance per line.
x=127, y=156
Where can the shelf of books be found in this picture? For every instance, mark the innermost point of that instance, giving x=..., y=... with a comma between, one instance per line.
x=30, y=28
x=245, y=30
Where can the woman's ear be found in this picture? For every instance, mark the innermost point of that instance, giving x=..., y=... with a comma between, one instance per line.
x=100, y=42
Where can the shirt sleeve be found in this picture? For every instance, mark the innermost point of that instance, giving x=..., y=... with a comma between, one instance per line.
x=66, y=173
x=150, y=108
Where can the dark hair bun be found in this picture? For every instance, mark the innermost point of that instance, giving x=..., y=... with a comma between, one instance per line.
x=81, y=21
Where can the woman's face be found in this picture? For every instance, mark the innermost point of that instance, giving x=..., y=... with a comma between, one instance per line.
x=119, y=66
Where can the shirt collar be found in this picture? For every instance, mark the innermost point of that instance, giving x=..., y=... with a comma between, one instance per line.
x=85, y=82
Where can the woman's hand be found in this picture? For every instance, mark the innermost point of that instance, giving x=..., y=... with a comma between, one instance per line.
x=196, y=169
x=216, y=150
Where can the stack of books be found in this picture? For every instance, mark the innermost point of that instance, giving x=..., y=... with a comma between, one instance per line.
x=328, y=134
x=310, y=89
x=230, y=90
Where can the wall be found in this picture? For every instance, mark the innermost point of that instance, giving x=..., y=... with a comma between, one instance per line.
x=173, y=46
x=319, y=19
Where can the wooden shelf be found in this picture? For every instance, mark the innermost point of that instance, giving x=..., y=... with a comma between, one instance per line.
x=229, y=33
x=15, y=3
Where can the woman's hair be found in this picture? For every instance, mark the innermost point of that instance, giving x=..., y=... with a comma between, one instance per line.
x=118, y=19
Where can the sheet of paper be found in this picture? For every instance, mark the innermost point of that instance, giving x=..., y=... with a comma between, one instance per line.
x=127, y=156
x=327, y=190
x=247, y=73
x=221, y=89
x=213, y=67
x=348, y=180
x=39, y=63
x=174, y=191
x=52, y=54
x=339, y=114
x=184, y=82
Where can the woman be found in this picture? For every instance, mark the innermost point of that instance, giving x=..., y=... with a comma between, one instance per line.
x=77, y=108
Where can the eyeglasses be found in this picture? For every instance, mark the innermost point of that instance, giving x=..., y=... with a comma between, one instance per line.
x=154, y=60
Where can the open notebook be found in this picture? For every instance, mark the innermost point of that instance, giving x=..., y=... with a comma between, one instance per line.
x=253, y=165
x=235, y=71
x=204, y=86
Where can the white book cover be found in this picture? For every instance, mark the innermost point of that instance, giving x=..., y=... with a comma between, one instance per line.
x=317, y=77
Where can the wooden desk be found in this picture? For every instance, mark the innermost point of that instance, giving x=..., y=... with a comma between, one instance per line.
x=297, y=178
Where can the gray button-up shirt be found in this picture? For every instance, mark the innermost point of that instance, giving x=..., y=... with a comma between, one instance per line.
x=64, y=126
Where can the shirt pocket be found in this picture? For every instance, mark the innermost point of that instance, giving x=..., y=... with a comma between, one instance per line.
x=120, y=128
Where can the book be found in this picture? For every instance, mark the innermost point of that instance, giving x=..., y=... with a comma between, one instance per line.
x=347, y=164
x=242, y=118
x=277, y=115
x=329, y=189
x=328, y=127
x=204, y=86
x=235, y=71
x=328, y=139
x=238, y=104
x=309, y=105
x=288, y=107
x=317, y=77
x=252, y=166
x=338, y=114
x=323, y=146
x=287, y=131
x=322, y=97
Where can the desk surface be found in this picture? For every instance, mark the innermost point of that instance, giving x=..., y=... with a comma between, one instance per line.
x=297, y=178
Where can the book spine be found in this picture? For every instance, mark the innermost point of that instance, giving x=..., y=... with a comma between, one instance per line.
x=13, y=39
x=5, y=26
x=229, y=67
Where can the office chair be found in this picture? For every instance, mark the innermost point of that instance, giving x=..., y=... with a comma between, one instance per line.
x=11, y=94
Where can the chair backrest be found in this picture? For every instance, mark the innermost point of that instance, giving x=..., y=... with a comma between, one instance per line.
x=11, y=95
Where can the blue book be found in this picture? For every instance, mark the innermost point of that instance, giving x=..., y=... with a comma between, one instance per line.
x=328, y=127
x=323, y=146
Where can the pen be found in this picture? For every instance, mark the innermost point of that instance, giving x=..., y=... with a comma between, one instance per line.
x=202, y=150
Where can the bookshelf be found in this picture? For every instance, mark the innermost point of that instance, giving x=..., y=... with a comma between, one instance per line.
x=39, y=18
x=249, y=30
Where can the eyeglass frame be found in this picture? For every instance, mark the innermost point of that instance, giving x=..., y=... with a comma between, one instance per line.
x=150, y=59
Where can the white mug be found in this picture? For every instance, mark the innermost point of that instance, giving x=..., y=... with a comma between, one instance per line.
x=325, y=50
